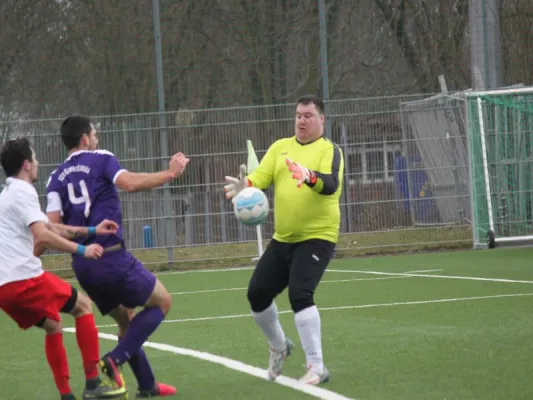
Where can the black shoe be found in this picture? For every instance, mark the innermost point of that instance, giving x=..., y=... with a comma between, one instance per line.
x=105, y=391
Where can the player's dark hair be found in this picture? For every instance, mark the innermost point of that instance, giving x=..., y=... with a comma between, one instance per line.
x=312, y=99
x=13, y=154
x=72, y=130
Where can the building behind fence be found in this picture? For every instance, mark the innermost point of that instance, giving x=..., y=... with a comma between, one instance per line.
x=405, y=170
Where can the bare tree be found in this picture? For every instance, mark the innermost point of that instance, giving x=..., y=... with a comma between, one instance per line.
x=517, y=36
x=25, y=34
x=98, y=57
x=431, y=35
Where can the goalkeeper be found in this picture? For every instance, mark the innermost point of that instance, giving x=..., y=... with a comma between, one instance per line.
x=306, y=171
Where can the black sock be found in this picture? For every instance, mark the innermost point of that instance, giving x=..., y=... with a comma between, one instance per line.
x=92, y=383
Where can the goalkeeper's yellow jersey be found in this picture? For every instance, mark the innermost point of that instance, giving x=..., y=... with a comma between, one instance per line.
x=311, y=211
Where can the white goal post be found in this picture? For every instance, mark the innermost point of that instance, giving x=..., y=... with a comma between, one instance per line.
x=500, y=141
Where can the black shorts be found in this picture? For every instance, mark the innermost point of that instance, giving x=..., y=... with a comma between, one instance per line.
x=298, y=266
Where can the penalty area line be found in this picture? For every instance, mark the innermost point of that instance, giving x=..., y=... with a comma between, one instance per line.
x=235, y=365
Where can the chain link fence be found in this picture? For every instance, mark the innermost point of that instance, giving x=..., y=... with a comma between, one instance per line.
x=405, y=184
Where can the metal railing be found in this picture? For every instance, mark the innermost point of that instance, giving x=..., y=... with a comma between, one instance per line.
x=405, y=181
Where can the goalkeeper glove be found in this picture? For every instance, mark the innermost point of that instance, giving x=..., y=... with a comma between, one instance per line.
x=300, y=173
x=235, y=185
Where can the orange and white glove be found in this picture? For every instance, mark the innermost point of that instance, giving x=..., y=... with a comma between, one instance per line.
x=300, y=173
x=235, y=185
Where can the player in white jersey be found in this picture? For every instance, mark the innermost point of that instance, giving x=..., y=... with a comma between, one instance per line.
x=33, y=297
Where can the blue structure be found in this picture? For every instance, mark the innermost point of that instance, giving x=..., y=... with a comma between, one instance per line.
x=148, y=237
x=424, y=207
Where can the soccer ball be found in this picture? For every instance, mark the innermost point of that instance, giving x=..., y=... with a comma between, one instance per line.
x=251, y=206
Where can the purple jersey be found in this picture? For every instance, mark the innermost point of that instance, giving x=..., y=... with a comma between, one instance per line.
x=83, y=189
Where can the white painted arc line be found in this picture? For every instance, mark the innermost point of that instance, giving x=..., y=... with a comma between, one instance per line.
x=314, y=391
x=468, y=278
x=375, y=305
x=326, y=281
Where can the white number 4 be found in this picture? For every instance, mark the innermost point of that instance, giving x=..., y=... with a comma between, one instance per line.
x=84, y=198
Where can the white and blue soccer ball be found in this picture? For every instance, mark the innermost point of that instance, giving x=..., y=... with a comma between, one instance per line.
x=251, y=206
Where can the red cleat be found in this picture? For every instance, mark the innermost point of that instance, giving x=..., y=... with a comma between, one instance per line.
x=165, y=390
x=160, y=390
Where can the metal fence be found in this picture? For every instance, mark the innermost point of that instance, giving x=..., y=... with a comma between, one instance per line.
x=405, y=180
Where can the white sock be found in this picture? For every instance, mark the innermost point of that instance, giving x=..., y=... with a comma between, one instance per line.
x=308, y=325
x=268, y=321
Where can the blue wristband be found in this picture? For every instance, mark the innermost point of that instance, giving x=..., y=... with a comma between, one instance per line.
x=91, y=230
x=80, y=250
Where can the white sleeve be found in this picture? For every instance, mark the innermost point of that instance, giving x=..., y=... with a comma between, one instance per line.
x=53, y=202
x=29, y=207
x=119, y=172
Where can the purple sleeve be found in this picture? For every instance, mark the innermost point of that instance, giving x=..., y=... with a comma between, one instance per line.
x=112, y=167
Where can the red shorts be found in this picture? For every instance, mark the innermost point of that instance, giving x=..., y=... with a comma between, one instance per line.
x=29, y=301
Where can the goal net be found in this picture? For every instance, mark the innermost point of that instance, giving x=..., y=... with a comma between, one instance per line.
x=500, y=135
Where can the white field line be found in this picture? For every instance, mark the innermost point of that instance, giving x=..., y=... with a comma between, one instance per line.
x=468, y=278
x=314, y=391
x=192, y=271
x=393, y=304
x=326, y=281
x=422, y=270
x=237, y=269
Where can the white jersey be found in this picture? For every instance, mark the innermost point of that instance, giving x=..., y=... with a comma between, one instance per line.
x=19, y=208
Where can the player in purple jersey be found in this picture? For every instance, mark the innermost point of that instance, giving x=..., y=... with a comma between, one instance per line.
x=83, y=189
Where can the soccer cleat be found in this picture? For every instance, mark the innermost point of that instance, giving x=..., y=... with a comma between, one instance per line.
x=277, y=358
x=69, y=396
x=112, y=372
x=312, y=377
x=160, y=390
x=105, y=391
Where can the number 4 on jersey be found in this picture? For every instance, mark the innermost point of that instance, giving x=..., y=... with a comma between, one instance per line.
x=84, y=198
